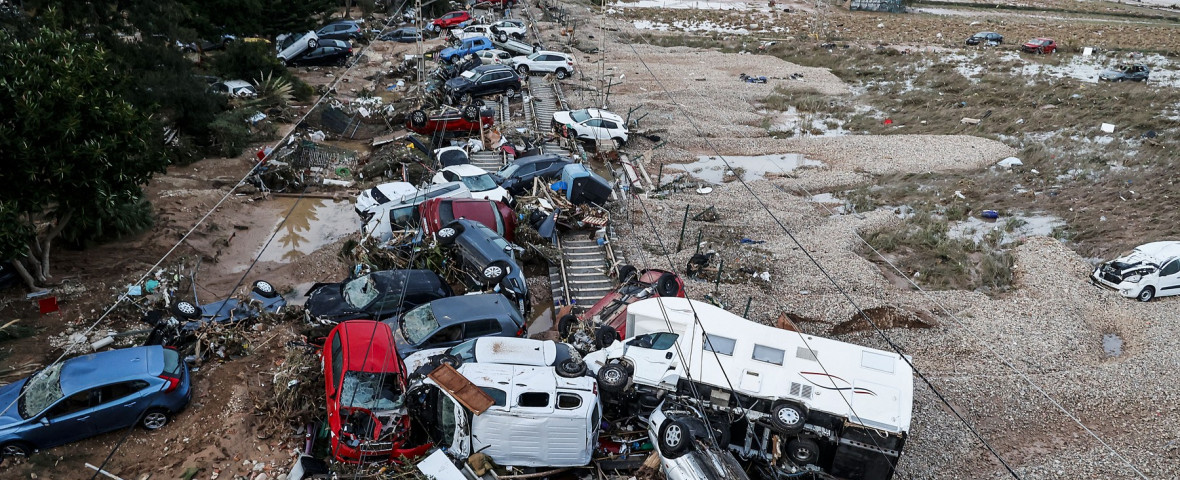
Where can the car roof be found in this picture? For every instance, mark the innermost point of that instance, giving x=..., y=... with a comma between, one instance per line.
x=401, y=279
x=515, y=351
x=369, y=346
x=1160, y=250
x=102, y=368
x=237, y=83
x=535, y=379
x=538, y=158
x=551, y=52
x=462, y=308
x=599, y=113
x=488, y=68
x=466, y=170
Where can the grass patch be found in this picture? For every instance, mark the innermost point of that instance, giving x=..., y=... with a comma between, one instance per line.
x=922, y=246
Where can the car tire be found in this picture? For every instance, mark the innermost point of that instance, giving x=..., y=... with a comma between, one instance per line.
x=510, y=92
x=312, y=43
x=788, y=418
x=523, y=70
x=1146, y=294
x=471, y=113
x=418, y=118
x=561, y=74
x=667, y=285
x=619, y=142
x=803, y=451
x=565, y=326
x=719, y=429
x=674, y=438
x=495, y=271
x=570, y=368
x=448, y=233
x=186, y=310
x=155, y=419
x=265, y=289
x=15, y=449
x=454, y=361
x=501, y=37
x=605, y=335
x=627, y=273
x=466, y=98
x=613, y=378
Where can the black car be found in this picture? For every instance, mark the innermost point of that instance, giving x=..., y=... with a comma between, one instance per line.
x=1122, y=73
x=376, y=296
x=341, y=30
x=486, y=259
x=402, y=35
x=486, y=80
x=449, y=321
x=328, y=52
x=517, y=177
x=986, y=38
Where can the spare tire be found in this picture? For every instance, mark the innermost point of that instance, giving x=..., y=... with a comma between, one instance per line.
x=418, y=118
x=570, y=368
x=668, y=285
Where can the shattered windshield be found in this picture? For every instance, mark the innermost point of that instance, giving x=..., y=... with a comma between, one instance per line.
x=360, y=292
x=418, y=324
x=42, y=390
x=508, y=170
x=371, y=391
x=579, y=116
x=479, y=183
x=465, y=350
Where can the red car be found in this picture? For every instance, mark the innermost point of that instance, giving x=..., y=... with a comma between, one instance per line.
x=449, y=20
x=612, y=309
x=1039, y=45
x=451, y=119
x=366, y=384
x=497, y=216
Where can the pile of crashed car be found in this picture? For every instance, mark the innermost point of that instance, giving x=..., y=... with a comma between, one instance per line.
x=429, y=363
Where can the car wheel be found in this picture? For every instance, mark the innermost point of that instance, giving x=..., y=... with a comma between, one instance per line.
x=523, y=70
x=788, y=418
x=15, y=449
x=605, y=336
x=570, y=368
x=453, y=360
x=466, y=98
x=566, y=324
x=1146, y=294
x=155, y=419
x=674, y=438
x=627, y=273
x=619, y=142
x=667, y=285
x=719, y=428
x=613, y=378
x=265, y=289
x=312, y=43
x=510, y=92
x=471, y=113
x=449, y=233
x=501, y=37
x=561, y=74
x=418, y=118
x=496, y=271
x=186, y=310
x=803, y=451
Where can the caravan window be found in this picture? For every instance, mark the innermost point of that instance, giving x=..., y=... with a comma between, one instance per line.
x=722, y=345
x=533, y=399
x=568, y=401
x=499, y=397
x=763, y=353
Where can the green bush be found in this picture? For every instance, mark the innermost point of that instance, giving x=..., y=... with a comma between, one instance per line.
x=247, y=60
x=230, y=133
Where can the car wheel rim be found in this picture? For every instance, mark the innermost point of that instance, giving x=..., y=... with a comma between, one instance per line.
x=673, y=436
x=788, y=416
x=14, y=451
x=446, y=232
x=186, y=308
x=265, y=287
x=492, y=272
x=155, y=420
x=612, y=377
x=802, y=454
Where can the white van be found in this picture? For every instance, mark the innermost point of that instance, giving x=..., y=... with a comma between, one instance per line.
x=833, y=397
x=536, y=418
x=1150, y=270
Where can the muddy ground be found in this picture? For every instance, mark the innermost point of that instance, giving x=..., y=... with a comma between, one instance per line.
x=1001, y=359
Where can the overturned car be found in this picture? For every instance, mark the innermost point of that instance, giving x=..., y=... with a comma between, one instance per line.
x=1150, y=270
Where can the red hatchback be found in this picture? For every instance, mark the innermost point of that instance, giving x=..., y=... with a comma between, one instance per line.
x=451, y=119
x=495, y=215
x=1039, y=45
x=366, y=384
x=612, y=309
x=449, y=20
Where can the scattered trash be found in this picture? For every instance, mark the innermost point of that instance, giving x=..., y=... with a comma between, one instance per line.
x=705, y=190
x=970, y=121
x=751, y=79
x=888, y=121
x=1108, y=128
x=991, y=214
x=317, y=136
x=1149, y=134
x=747, y=241
x=960, y=194
x=1010, y=162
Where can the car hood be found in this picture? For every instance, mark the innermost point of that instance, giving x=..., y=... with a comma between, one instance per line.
x=562, y=117
x=457, y=83
x=1111, y=73
x=8, y=396
x=327, y=302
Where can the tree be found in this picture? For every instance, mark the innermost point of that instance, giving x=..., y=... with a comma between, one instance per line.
x=72, y=147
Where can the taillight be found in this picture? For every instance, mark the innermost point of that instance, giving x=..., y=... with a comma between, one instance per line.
x=521, y=333
x=173, y=383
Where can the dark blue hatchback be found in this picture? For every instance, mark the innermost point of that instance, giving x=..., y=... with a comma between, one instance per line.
x=92, y=394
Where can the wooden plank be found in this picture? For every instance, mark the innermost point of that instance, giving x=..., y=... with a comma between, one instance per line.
x=466, y=393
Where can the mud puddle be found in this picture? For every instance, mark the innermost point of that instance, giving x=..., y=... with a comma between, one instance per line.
x=1112, y=344
x=312, y=224
x=1010, y=228
x=714, y=169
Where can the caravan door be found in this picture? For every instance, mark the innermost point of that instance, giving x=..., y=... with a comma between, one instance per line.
x=655, y=357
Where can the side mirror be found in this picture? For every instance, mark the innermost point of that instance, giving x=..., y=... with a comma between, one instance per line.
x=44, y=421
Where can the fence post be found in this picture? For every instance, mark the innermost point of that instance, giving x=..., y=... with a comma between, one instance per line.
x=717, y=283
x=699, y=236
x=683, y=225
x=746, y=314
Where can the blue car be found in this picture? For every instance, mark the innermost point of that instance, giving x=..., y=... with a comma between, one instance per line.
x=92, y=394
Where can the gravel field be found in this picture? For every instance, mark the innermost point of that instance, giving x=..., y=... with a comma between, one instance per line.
x=1001, y=361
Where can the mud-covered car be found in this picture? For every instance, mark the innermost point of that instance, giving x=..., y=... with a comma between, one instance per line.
x=1039, y=45
x=376, y=296
x=180, y=329
x=1150, y=270
x=1123, y=73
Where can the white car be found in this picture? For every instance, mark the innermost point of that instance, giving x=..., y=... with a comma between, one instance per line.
x=472, y=31
x=688, y=448
x=448, y=156
x=235, y=88
x=481, y=184
x=290, y=46
x=1150, y=270
x=592, y=124
x=544, y=61
x=494, y=56
x=369, y=200
x=504, y=351
x=509, y=28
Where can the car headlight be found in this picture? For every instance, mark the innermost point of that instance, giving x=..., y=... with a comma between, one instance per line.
x=1134, y=278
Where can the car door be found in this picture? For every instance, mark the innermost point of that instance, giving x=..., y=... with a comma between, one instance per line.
x=69, y=420
x=1169, y=278
x=120, y=404
x=489, y=83
x=609, y=129
x=525, y=174
x=487, y=327
x=591, y=130
x=654, y=357
x=448, y=336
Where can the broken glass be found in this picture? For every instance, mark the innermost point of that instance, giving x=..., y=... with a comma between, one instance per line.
x=42, y=390
x=371, y=391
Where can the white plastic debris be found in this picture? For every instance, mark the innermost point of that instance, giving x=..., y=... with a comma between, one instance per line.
x=1108, y=127
x=1010, y=162
x=318, y=136
x=960, y=195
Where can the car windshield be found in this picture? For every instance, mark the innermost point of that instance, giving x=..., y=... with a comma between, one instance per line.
x=42, y=390
x=580, y=116
x=418, y=323
x=360, y=292
x=508, y=170
x=465, y=351
x=479, y=183
x=534, y=55
x=372, y=391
